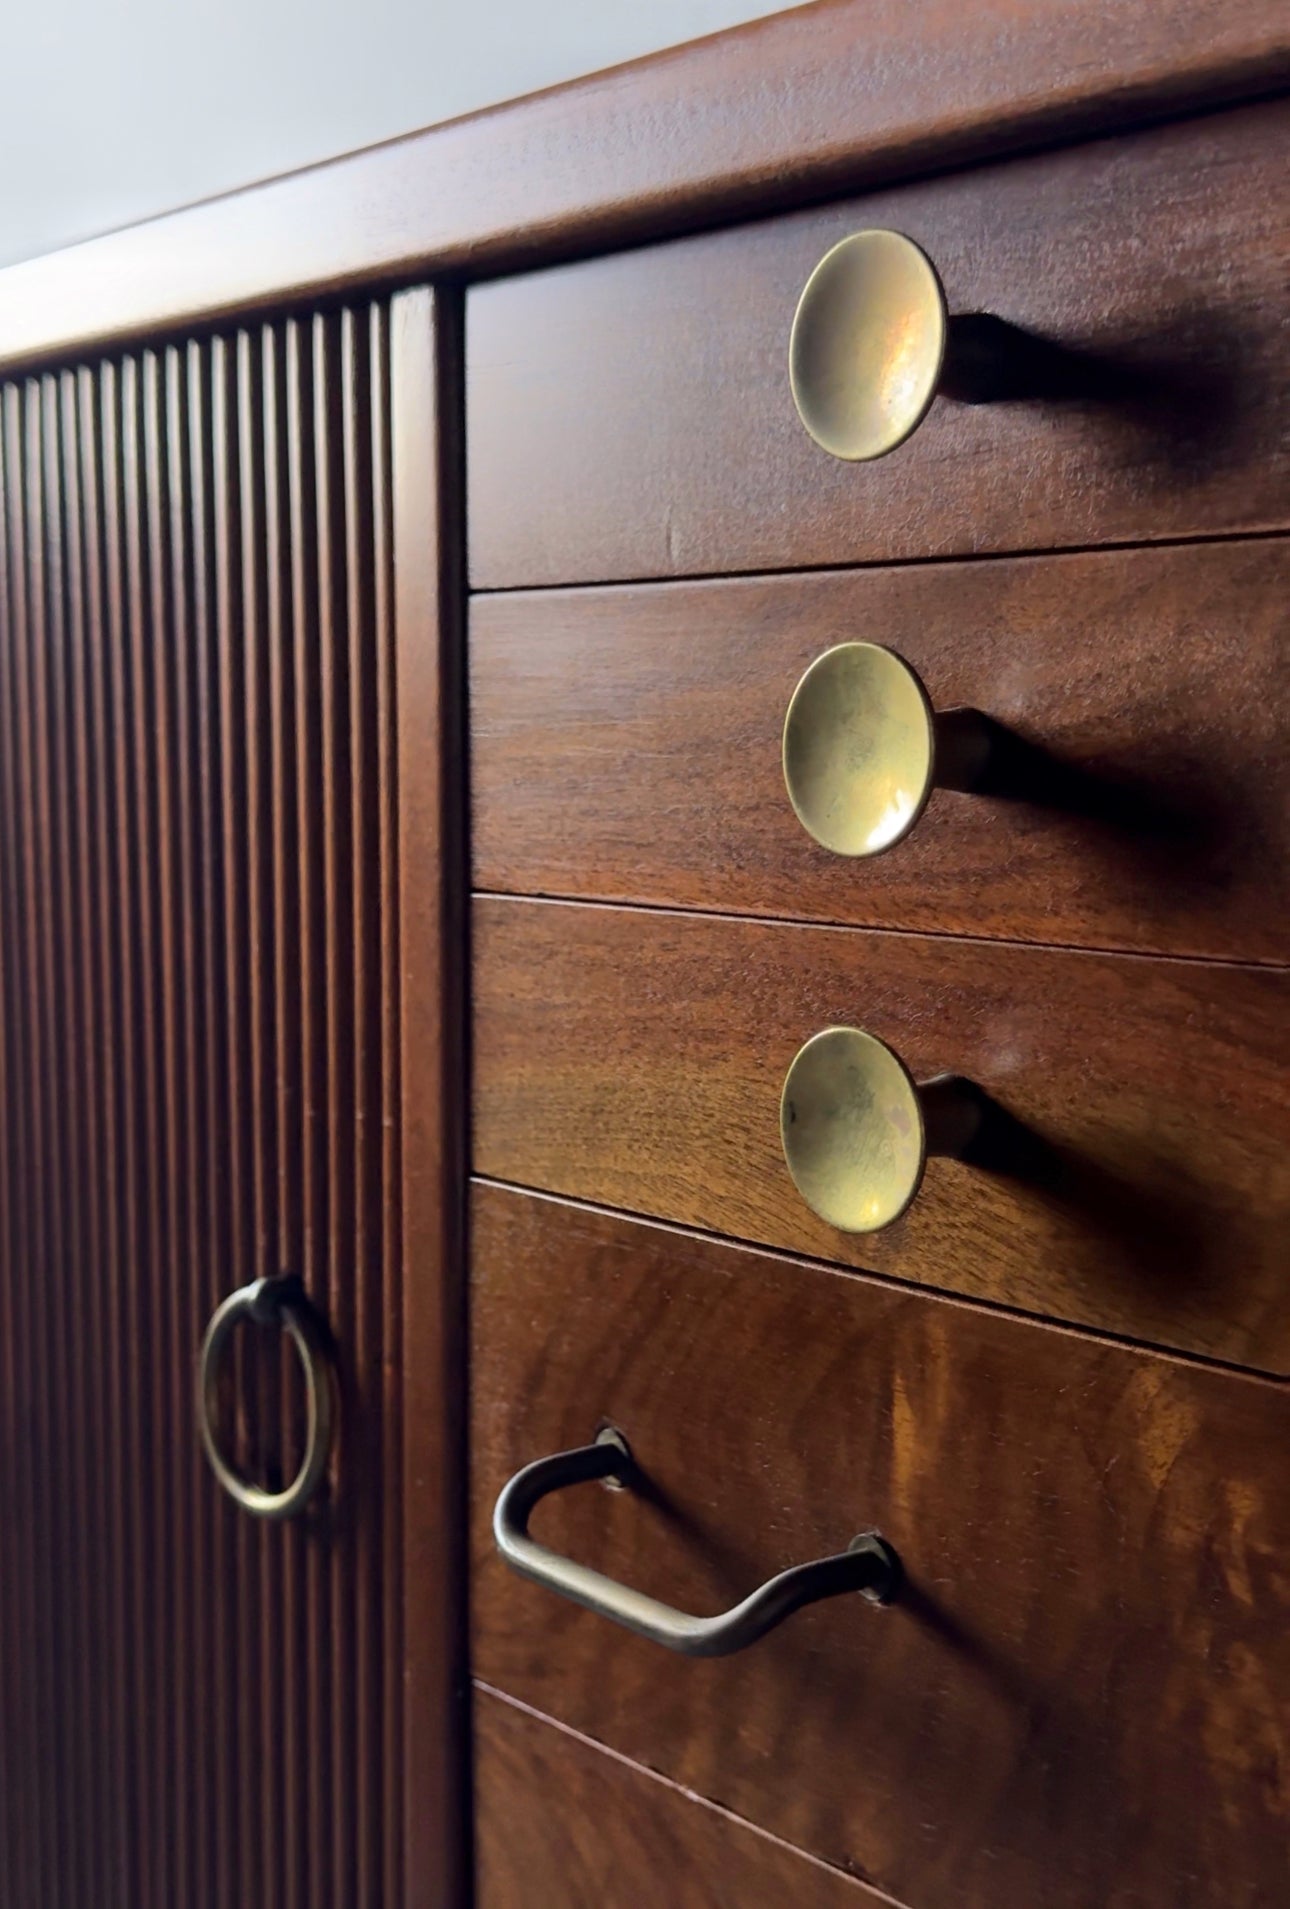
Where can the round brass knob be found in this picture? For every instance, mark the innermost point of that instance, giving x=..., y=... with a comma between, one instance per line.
x=857, y=1129
x=868, y=343
x=863, y=749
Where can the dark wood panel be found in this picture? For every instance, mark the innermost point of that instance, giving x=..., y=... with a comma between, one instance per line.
x=625, y=746
x=821, y=100
x=1080, y=1700
x=560, y=1821
x=631, y=417
x=636, y=1059
x=433, y=1813
x=198, y=936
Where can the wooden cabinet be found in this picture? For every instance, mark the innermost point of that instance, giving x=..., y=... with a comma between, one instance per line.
x=405, y=572
x=1093, y=1539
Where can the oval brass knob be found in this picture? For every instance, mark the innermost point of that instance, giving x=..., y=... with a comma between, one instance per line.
x=868, y=344
x=857, y=1129
x=863, y=749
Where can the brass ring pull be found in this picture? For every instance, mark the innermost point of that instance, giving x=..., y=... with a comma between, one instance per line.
x=868, y=345
x=856, y=1127
x=863, y=749
x=279, y=1301
x=869, y=1565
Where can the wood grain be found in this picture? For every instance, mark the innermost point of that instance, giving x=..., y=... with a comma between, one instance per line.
x=636, y=1059
x=631, y=417
x=625, y=746
x=1081, y=1699
x=432, y=1815
x=197, y=942
x=822, y=100
x=559, y=1820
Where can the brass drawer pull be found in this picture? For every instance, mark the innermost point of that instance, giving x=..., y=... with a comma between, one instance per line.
x=868, y=1565
x=868, y=345
x=857, y=1129
x=873, y=344
x=863, y=749
x=279, y=1302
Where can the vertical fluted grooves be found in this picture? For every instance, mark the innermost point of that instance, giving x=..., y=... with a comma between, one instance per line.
x=198, y=1049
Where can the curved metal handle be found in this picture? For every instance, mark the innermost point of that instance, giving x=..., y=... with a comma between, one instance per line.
x=271, y=1302
x=868, y=1565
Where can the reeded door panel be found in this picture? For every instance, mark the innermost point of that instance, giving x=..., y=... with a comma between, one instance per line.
x=200, y=1089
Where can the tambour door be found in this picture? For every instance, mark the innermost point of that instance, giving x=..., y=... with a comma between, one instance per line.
x=199, y=941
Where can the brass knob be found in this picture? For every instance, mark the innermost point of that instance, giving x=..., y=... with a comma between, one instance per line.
x=857, y=1129
x=863, y=749
x=868, y=344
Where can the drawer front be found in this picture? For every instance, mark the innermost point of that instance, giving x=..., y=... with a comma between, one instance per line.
x=626, y=746
x=550, y=1805
x=631, y=416
x=1081, y=1698
x=636, y=1059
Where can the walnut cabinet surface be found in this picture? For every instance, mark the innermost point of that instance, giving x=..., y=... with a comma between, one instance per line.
x=405, y=567
x=625, y=747
x=1136, y=1178
x=1094, y=1542
x=630, y=417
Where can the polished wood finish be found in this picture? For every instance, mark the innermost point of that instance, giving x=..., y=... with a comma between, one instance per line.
x=822, y=100
x=625, y=746
x=198, y=931
x=234, y=1032
x=1080, y=1699
x=618, y=1837
x=431, y=894
x=631, y=416
x=1137, y=1179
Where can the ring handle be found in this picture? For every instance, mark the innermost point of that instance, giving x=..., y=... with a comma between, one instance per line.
x=868, y=1565
x=278, y=1301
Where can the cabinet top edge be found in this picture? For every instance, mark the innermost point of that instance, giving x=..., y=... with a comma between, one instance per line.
x=819, y=101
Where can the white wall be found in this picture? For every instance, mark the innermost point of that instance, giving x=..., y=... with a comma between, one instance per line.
x=116, y=109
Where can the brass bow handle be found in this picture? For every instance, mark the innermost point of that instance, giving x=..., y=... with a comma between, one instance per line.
x=856, y=1127
x=281, y=1302
x=863, y=749
x=868, y=1565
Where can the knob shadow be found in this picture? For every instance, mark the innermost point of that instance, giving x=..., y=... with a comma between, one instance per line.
x=1192, y=827
x=1188, y=391
x=1160, y=1227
